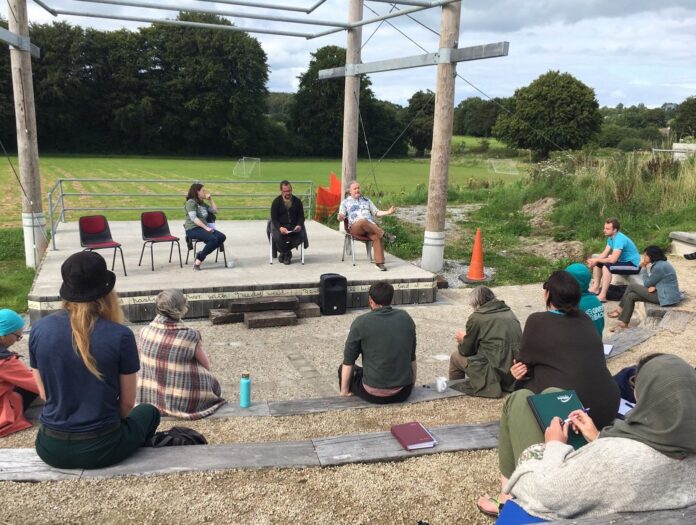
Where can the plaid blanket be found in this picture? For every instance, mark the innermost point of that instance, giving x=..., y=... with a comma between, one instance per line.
x=170, y=377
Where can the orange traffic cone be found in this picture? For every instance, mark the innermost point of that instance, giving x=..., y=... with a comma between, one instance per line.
x=476, y=267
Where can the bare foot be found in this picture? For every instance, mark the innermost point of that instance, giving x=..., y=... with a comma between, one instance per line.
x=619, y=327
x=616, y=313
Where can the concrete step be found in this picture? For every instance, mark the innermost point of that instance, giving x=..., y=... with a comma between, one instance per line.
x=269, y=319
x=260, y=304
x=305, y=310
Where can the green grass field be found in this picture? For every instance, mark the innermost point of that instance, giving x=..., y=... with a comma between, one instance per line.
x=389, y=178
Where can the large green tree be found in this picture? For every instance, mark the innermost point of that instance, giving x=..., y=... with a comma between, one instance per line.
x=420, y=114
x=684, y=123
x=556, y=111
x=316, y=115
x=475, y=116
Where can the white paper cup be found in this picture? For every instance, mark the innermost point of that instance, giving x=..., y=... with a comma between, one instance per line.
x=230, y=264
x=440, y=384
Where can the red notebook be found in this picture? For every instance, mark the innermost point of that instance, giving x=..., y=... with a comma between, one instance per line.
x=413, y=436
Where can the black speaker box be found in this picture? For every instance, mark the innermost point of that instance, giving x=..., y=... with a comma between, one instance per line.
x=333, y=294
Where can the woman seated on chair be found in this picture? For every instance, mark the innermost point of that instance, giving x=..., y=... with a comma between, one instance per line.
x=646, y=462
x=196, y=224
x=85, y=362
x=175, y=374
x=560, y=349
x=660, y=286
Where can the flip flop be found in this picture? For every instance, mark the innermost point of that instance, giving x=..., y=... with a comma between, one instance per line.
x=487, y=512
x=618, y=328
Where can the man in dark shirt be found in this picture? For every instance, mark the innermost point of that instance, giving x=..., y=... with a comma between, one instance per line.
x=386, y=339
x=287, y=223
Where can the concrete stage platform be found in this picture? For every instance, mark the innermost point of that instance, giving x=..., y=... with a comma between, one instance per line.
x=251, y=276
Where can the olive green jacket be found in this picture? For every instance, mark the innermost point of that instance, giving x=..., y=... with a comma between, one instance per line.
x=492, y=341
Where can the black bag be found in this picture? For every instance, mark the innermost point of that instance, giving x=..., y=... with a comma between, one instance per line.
x=177, y=437
x=616, y=292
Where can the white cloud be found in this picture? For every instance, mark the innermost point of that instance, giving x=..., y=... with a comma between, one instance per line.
x=629, y=51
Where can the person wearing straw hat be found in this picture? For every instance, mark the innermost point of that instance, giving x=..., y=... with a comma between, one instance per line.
x=17, y=386
x=85, y=362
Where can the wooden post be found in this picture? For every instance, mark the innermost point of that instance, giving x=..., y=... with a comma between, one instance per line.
x=434, y=238
x=351, y=100
x=33, y=219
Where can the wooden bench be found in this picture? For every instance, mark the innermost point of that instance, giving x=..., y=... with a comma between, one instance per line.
x=25, y=465
x=683, y=242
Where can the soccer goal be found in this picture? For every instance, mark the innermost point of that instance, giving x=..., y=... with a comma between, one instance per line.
x=506, y=166
x=247, y=168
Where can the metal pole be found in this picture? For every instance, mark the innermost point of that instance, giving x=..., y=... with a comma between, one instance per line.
x=351, y=99
x=33, y=219
x=434, y=238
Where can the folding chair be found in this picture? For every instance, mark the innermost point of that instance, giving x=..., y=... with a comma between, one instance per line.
x=96, y=235
x=349, y=243
x=155, y=229
x=273, y=251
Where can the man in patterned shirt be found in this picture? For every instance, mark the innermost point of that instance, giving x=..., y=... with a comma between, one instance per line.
x=361, y=212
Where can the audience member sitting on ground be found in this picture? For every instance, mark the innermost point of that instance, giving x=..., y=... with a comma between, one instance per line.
x=660, y=286
x=560, y=349
x=196, y=224
x=85, y=362
x=645, y=463
x=17, y=385
x=386, y=339
x=174, y=374
x=620, y=257
x=361, y=212
x=487, y=348
x=287, y=223
x=589, y=303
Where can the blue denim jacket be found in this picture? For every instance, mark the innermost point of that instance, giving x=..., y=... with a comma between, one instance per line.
x=662, y=276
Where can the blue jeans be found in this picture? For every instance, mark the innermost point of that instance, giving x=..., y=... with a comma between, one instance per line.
x=212, y=240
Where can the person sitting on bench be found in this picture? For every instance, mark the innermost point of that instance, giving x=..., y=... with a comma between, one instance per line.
x=386, y=339
x=84, y=362
x=620, y=257
x=645, y=463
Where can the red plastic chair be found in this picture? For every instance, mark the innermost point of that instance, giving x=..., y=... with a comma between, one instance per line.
x=349, y=243
x=96, y=235
x=156, y=229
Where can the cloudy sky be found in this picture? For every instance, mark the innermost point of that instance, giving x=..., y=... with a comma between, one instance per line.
x=628, y=51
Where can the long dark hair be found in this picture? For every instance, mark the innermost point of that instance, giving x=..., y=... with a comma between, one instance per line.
x=193, y=192
x=564, y=292
x=655, y=253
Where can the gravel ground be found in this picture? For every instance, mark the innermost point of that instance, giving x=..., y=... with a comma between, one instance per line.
x=438, y=489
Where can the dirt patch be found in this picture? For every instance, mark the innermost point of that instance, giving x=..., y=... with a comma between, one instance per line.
x=540, y=211
x=553, y=250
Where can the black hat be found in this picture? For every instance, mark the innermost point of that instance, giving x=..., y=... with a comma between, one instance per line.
x=85, y=278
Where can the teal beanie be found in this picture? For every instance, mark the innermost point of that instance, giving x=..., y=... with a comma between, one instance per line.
x=9, y=322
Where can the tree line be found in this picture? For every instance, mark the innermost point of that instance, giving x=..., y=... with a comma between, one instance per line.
x=182, y=91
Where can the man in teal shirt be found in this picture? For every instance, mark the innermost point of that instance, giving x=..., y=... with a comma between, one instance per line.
x=620, y=257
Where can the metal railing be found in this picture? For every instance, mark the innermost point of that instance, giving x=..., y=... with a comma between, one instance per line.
x=64, y=192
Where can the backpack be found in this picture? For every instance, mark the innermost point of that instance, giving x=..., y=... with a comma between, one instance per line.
x=176, y=437
x=616, y=292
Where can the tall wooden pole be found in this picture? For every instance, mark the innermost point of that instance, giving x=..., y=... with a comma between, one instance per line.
x=351, y=100
x=434, y=238
x=33, y=219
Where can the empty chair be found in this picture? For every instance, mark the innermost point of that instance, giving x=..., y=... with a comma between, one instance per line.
x=349, y=243
x=96, y=235
x=156, y=229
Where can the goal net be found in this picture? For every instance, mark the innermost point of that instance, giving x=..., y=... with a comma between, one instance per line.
x=506, y=166
x=247, y=168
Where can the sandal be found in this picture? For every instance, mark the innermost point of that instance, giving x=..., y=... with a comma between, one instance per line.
x=614, y=314
x=486, y=499
x=618, y=328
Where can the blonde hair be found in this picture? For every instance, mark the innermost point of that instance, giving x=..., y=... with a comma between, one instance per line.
x=83, y=317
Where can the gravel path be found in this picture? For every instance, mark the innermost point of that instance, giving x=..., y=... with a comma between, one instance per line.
x=438, y=489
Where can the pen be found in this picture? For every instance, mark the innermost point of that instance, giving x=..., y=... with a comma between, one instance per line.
x=567, y=420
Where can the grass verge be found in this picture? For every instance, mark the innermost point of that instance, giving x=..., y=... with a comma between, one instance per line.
x=16, y=277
